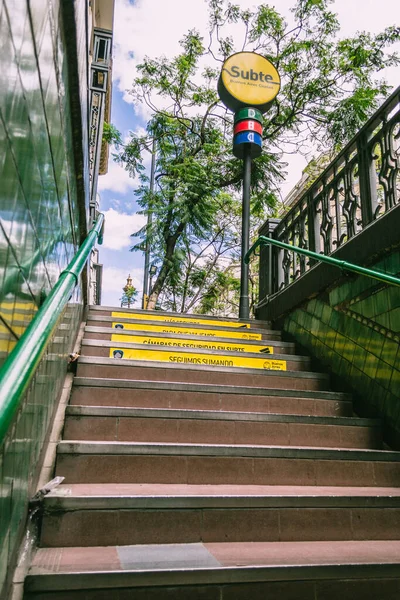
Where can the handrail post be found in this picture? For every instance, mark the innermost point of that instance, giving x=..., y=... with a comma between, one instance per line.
x=313, y=226
x=368, y=197
x=267, y=283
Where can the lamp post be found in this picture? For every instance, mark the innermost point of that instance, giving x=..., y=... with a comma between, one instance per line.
x=149, y=221
x=153, y=271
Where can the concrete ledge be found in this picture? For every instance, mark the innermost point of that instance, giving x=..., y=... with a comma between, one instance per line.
x=99, y=360
x=209, y=388
x=314, y=561
x=170, y=413
x=168, y=449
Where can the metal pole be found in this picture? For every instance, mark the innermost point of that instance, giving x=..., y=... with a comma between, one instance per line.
x=149, y=221
x=244, y=269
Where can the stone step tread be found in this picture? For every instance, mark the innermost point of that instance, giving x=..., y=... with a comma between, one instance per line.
x=132, y=311
x=185, y=336
x=100, y=360
x=210, y=388
x=170, y=413
x=197, y=563
x=201, y=326
x=218, y=450
x=205, y=351
x=107, y=496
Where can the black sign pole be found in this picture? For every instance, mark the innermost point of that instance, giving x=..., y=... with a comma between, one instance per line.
x=244, y=270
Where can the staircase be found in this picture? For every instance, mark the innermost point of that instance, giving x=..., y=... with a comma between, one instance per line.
x=204, y=459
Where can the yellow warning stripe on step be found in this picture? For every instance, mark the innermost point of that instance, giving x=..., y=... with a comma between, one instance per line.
x=206, y=344
x=192, y=358
x=145, y=316
x=237, y=335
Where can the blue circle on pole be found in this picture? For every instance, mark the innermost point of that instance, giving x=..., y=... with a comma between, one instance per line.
x=250, y=140
x=247, y=137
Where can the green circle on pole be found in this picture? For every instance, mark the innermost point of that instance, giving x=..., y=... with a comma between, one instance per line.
x=248, y=113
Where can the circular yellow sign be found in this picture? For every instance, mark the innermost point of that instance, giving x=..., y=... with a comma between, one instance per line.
x=248, y=79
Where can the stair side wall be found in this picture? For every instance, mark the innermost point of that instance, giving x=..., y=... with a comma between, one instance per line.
x=42, y=222
x=353, y=329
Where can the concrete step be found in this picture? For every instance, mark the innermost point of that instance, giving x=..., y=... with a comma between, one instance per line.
x=158, y=394
x=195, y=329
x=128, y=462
x=200, y=356
x=93, y=366
x=349, y=570
x=176, y=340
x=102, y=496
x=174, y=317
x=216, y=427
x=263, y=514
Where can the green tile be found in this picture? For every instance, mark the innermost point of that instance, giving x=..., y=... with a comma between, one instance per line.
x=383, y=374
x=394, y=320
x=382, y=302
x=326, y=313
x=394, y=385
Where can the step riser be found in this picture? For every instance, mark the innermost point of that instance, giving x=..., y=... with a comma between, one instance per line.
x=192, y=431
x=179, y=526
x=277, y=349
x=182, y=319
x=291, y=365
x=262, y=380
x=268, y=335
x=130, y=397
x=345, y=589
x=212, y=470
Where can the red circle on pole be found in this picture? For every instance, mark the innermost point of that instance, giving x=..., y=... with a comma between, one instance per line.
x=248, y=125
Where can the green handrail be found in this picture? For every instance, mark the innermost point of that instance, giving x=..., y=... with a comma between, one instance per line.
x=20, y=366
x=342, y=264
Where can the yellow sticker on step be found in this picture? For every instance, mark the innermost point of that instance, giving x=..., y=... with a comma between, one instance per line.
x=239, y=334
x=206, y=344
x=145, y=316
x=192, y=358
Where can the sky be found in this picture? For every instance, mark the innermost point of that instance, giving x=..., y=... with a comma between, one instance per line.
x=153, y=28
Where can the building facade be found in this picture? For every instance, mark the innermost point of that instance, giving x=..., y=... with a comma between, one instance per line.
x=55, y=75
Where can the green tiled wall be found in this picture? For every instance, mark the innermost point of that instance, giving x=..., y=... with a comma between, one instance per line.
x=354, y=330
x=39, y=228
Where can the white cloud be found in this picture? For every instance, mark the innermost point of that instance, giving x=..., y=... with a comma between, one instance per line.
x=119, y=227
x=116, y=180
x=150, y=28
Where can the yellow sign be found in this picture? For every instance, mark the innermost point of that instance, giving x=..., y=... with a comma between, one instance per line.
x=177, y=343
x=248, y=79
x=239, y=334
x=192, y=358
x=172, y=319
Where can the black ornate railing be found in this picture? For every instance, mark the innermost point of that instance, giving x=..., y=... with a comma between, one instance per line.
x=99, y=85
x=359, y=186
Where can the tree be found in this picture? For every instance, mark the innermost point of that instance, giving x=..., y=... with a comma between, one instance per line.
x=329, y=88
